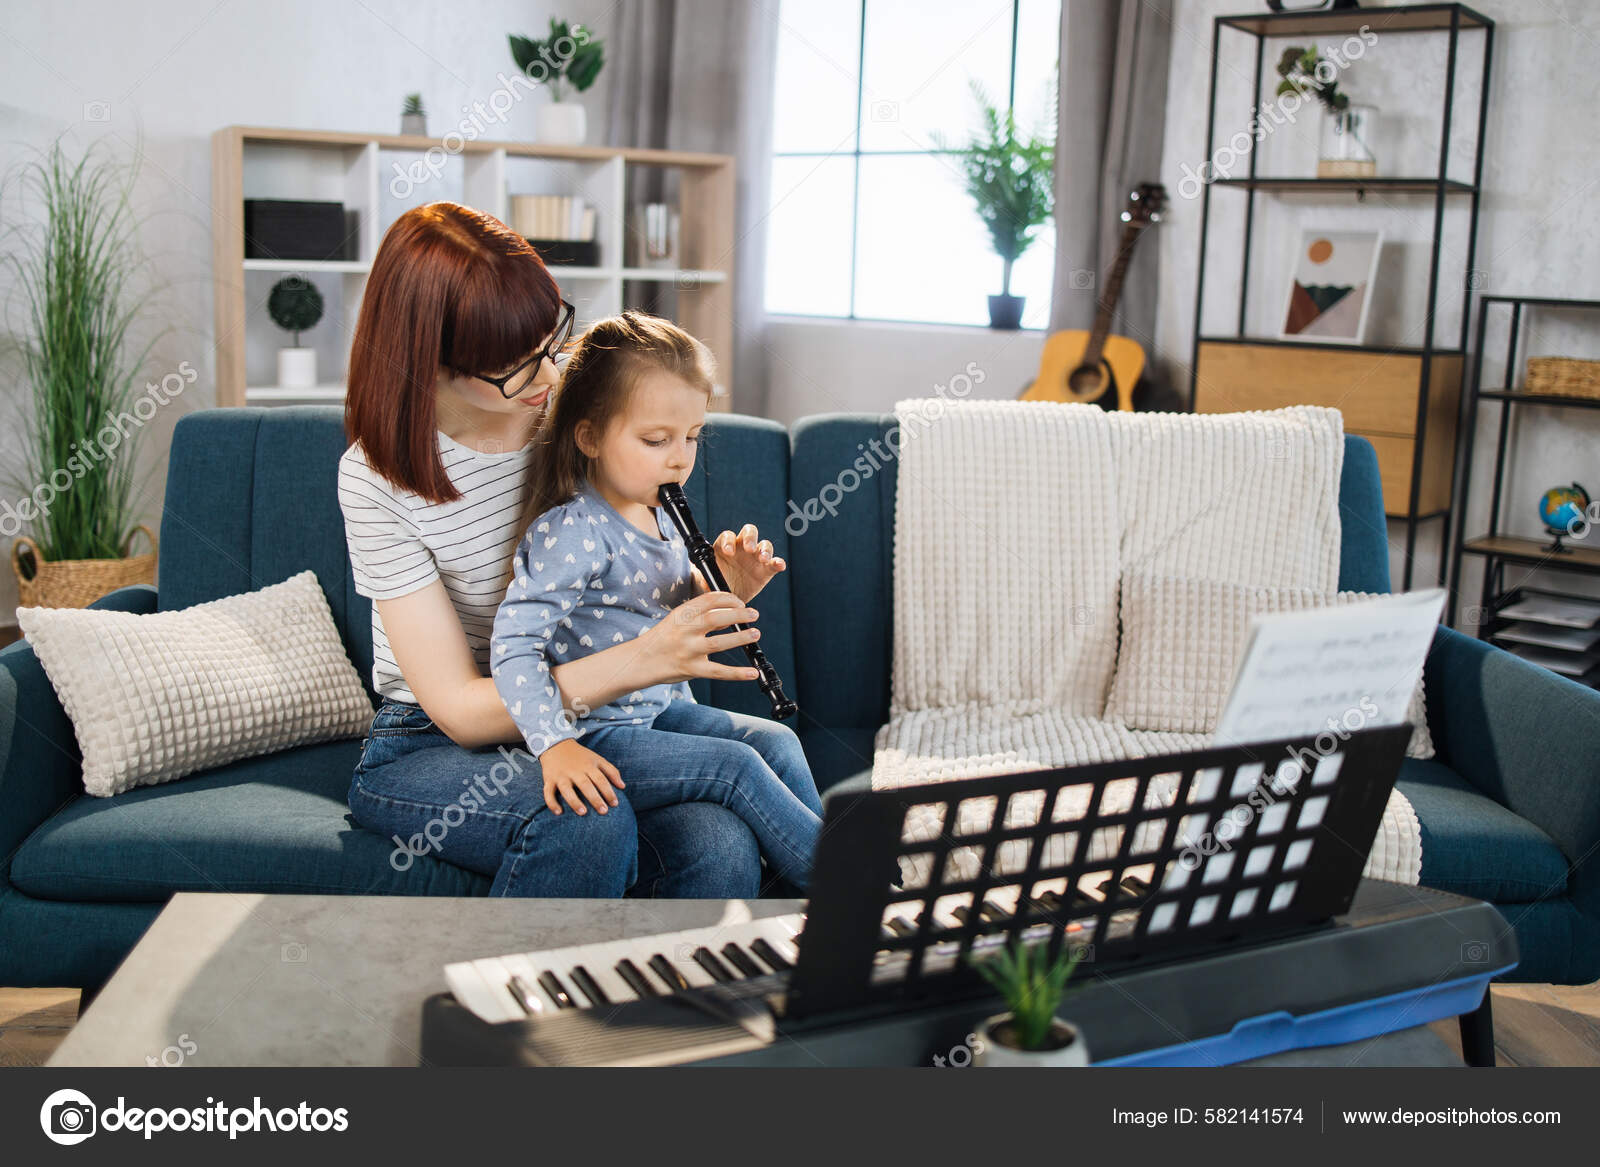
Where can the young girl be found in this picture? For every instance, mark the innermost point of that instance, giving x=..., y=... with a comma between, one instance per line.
x=600, y=564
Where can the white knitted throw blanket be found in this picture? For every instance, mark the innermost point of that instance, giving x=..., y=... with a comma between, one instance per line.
x=1014, y=522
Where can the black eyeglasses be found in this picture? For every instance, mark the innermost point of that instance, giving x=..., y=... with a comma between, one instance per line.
x=562, y=333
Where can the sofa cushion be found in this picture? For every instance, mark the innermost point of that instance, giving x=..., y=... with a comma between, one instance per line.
x=1182, y=643
x=266, y=824
x=161, y=696
x=1473, y=846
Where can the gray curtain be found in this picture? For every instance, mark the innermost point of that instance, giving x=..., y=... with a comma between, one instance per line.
x=1114, y=56
x=697, y=75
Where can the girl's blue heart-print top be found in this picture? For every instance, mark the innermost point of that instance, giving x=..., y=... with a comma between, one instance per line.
x=584, y=579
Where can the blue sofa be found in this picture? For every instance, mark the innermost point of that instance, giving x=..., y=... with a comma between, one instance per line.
x=1509, y=809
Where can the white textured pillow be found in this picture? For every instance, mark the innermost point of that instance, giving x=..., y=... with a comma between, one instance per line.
x=160, y=696
x=1181, y=644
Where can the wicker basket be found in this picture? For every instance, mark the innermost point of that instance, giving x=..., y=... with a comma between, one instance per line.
x=77, y=583
x=1563, y=377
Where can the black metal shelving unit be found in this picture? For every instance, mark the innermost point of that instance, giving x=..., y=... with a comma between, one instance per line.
x=1498, y=550
x=1453, y=19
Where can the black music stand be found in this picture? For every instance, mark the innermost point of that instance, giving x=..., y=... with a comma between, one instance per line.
x=1299, y=825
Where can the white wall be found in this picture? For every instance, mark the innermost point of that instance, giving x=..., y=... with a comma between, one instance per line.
x=175, y=70
x=828, y=366
x=1537, y=231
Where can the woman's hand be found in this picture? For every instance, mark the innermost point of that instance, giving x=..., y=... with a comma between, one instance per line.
x=575, y=772
x=680, y=647
x=746, y=564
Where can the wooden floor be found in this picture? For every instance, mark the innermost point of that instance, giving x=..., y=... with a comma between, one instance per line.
x=1534, y=1025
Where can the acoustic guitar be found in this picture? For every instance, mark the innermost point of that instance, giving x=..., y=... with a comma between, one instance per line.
x=1096, y=366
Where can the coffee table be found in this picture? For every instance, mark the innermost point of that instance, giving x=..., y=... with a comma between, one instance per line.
x=225, y=979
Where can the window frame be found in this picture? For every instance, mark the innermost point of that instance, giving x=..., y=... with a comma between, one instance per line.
x=856, y=154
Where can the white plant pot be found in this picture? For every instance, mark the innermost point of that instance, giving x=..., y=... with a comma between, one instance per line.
x=297, y=368
x=1074, y=1050
x=562, y=123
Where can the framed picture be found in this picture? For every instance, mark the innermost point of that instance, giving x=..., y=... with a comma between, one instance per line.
x=1330, y=286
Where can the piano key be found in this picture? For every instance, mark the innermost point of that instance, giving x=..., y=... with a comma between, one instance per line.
x=519, y=965
x=899, y=926
x=668, y=972
x=707, y=960
x=992, y=911
x=600, y=961
x=763, y=948
x=586, y=985
x=637, y=981
x=742, y=961
x=1133, y=885
x=558, y=991
x=776, y=931
x=526, y=995
x=491, y=1002
x=498, y=976
x=1050, y=900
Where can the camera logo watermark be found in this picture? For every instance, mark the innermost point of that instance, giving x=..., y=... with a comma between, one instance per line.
x=68, y=1117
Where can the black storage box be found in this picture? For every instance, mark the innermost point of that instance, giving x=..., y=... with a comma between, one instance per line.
x=294, y=229
x=571, y=252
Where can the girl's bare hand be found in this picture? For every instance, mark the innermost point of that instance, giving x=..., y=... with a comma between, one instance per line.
x=746, y=561
x=681, y=644
x=574, y=772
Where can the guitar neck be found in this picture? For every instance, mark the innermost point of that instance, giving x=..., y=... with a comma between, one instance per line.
x=1109, y=294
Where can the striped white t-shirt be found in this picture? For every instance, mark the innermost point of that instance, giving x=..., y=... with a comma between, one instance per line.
x=400, y=543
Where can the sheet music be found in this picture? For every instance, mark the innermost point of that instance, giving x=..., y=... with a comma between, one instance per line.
x=1356, y=665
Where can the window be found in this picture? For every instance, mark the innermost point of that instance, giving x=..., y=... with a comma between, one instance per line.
x=869, y=218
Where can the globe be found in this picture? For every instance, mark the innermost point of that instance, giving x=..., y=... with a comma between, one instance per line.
x=1561, y=507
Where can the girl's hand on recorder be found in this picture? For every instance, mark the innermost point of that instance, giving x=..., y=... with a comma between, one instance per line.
x=680, y=645
x=746, y=561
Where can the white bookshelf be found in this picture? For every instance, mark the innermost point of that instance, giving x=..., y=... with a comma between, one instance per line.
x=359, y=170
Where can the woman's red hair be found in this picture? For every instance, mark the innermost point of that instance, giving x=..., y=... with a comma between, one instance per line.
x=450, y=288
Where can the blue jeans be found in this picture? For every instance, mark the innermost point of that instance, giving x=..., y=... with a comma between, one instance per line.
x=696, y=753
x=484, y=810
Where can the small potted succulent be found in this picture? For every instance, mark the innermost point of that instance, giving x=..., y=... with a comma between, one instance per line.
x=1010, y=175
x=295, y=305
x=568, y=56
x=413, y=118
x=1030, y=1033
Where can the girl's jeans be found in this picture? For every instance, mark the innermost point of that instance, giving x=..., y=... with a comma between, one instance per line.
x=695, y=753
x=484, y=810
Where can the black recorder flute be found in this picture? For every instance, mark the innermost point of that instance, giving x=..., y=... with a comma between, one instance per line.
x=704, y=556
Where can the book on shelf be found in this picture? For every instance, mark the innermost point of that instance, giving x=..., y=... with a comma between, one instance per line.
x=1562, y=611
x=1550, y=636
x=563, y=217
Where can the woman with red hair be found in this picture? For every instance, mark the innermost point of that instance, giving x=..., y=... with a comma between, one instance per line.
x=452, y=365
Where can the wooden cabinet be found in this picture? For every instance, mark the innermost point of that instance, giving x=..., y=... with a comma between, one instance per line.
x=1380, y=394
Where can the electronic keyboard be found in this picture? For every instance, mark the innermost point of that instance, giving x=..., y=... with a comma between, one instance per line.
x=1269, y=942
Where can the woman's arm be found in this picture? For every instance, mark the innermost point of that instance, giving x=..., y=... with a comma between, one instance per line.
x=429, y=645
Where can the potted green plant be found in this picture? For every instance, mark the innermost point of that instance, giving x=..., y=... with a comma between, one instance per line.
x=568, y=56
x=295, y=305
x=78, y=273
x=413, y=118
x=1010, y=176
x=1344, y=150
x=1030, y=1033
